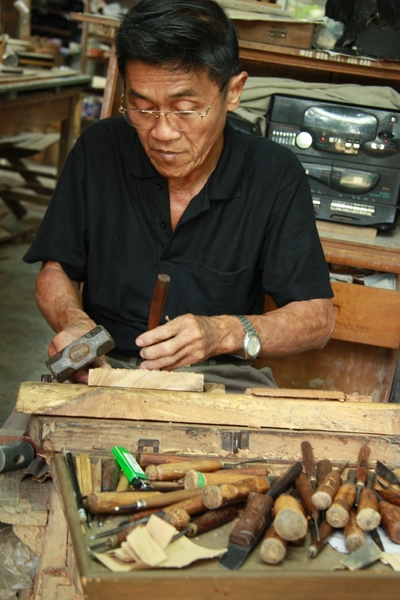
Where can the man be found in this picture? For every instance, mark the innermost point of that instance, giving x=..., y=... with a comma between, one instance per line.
x=172, y=188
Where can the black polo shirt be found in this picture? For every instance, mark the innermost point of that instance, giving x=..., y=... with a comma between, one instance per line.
x=250, y=231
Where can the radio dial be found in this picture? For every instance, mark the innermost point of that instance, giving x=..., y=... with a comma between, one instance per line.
x=304, y=140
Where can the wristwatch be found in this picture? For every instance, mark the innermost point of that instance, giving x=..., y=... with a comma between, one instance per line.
x=252, y=343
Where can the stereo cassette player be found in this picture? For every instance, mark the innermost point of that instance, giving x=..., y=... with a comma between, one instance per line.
x=350, y=153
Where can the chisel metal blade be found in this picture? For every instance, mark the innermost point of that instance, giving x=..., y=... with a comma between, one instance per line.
x=248, y=531
x=386, y=473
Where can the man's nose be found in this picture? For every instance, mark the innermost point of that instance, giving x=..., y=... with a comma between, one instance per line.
x=163, y=129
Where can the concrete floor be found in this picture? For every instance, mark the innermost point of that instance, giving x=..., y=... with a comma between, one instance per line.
x=24, y=334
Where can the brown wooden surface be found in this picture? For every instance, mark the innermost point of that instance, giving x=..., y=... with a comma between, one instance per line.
x=276, y=33
x=99, y=435
x=201, y=408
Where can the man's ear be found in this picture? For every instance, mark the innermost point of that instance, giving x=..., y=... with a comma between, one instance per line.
x=236, y=85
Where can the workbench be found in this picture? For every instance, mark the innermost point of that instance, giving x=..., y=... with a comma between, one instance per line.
x=41, y=99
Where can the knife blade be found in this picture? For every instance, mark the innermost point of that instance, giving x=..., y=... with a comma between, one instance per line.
x=254, y=521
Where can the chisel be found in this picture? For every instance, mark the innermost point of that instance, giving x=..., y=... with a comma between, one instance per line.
x=254, y=521
x=309, y=464
x=362, y=470
x=158, y=301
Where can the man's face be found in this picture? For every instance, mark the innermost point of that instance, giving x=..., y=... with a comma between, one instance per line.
x=174, y=153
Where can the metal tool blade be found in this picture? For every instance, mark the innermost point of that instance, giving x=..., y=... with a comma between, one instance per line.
x=235, y=557
x=386, y=473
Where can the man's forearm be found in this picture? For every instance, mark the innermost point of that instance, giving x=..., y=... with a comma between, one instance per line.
x=59, y=298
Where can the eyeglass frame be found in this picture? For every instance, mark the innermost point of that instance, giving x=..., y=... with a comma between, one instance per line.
x=157, y=113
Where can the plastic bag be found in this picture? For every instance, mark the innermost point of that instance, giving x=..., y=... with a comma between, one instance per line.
x=18, y=565
x=327, y=35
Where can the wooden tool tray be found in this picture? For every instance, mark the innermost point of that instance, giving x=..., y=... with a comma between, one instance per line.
x=82, y=419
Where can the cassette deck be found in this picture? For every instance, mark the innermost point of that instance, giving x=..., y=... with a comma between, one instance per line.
x=350, y=153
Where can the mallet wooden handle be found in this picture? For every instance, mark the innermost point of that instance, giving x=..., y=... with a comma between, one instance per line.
x=215, y=496
x=368, y=517
x=158, y=301
x=273, y=547
x=354, y=537
x=290, y=521
x=174, y=471
x=338, y=513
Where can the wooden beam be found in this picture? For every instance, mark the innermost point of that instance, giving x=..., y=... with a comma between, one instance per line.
x=201, y=408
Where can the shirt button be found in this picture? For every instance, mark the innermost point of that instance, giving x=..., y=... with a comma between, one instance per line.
x=159, y=187
x=163, y=223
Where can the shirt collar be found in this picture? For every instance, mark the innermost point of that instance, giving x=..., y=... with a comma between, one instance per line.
x=225, y=181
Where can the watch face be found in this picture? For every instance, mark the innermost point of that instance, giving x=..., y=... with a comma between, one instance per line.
x=253, y=345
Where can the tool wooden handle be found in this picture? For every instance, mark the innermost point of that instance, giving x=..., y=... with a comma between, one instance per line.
x=167, y=486
x=212, y=519
x=308, y=461
x=158, y=301
x=363, y=458
x=305, y=490
x=290, y=521
x=316, y=545
x=322, y=499
x=154, y=458
x=368, y=517
x=338, y=513
x=254, y=520
x=195, y=479
x=273, y=547
x=160, y=500
x=285, y=480
x=106, y=502
x=174, y=471
x=215, y=496
x=324, y=467
x=178, y=518
x=109, y=475
x=192, y=505
x=123, y=483
x=390, y=520
x=392, y=495
x=354, y=536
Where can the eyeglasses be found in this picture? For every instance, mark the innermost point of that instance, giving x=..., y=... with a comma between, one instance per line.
x=183, y=120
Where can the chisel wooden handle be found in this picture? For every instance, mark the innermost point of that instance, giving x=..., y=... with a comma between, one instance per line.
x=368, y=517
x=391, y=494
x=178, y=518
x=322, y=499
x=158, y=301
x=324, y=467
x=309, y=464
x=160, y=500
x=316, y=545
x=305, y=491
x=211, y=519
x=196, y=479
x=354, y=536
x=273, y=547
x=106, y=502
x=174, y=471
x=338, y=513
x=192, y=506
x=254, y=520
x=362, y=469
x=285, y=480
x=109, y=475
x=290, y=521
x=390, y=520
x=215, y=496
x=154, y=458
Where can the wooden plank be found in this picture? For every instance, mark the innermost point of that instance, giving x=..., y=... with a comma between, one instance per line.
x=153, y=380
x=97, y=436
x=339, y=229
x=190, y=407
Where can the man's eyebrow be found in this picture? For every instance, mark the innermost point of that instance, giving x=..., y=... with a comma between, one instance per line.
x=189, y=92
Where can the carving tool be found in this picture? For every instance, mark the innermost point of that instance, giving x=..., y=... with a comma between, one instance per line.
x=273, y=547
x=362, y=470
x=290, y=521
x=354, y=536
x=158, y=301
x=75, y=486
x=316, y=545
x=254, y=521
x=215, y=496
x=211, y=519
x=305, y=491
x=309, y=464
x=322, y=499
x=338, y=514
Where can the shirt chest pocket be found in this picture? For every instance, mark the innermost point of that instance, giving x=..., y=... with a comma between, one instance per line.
x=221, y=292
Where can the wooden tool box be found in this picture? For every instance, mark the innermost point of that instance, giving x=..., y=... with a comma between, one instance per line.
x=82, y=419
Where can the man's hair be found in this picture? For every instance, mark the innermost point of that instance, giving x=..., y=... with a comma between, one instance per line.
x=191, y=35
